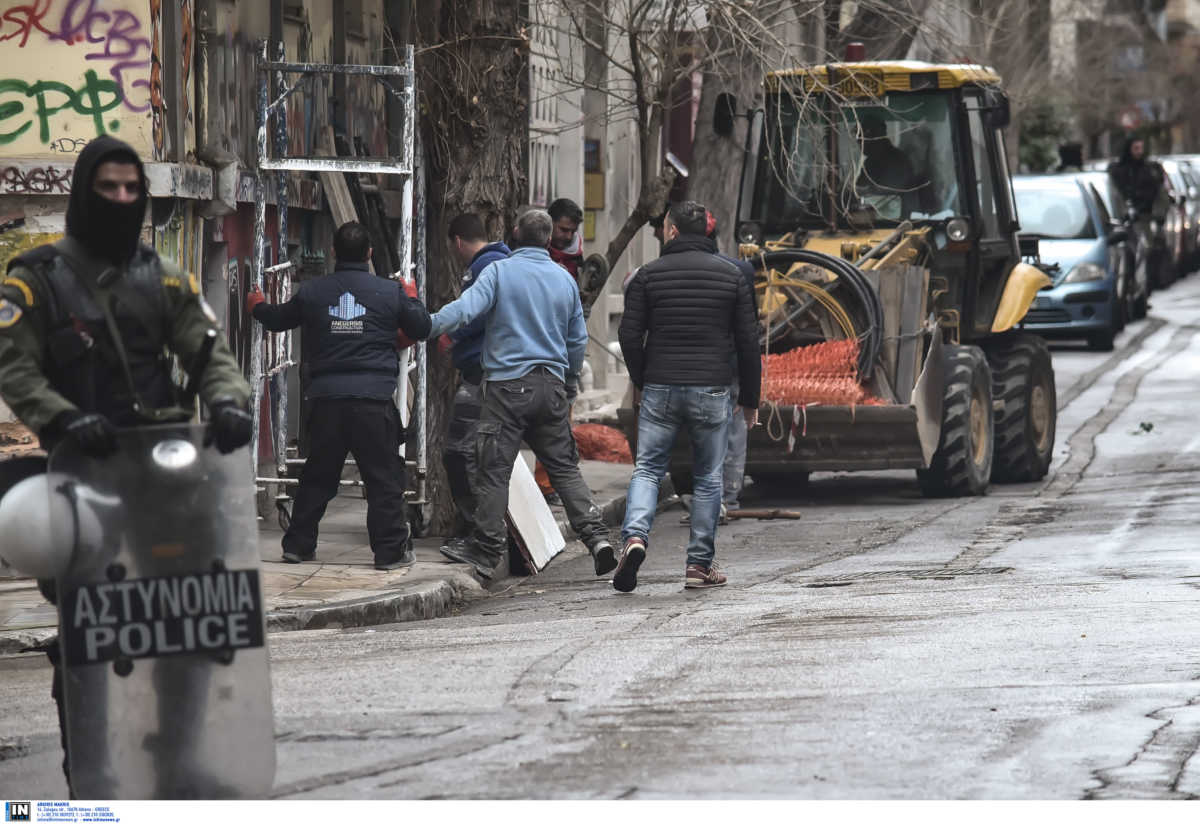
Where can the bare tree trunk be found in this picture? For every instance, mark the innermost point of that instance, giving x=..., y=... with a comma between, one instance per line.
x=717, y=159
x=473, y=69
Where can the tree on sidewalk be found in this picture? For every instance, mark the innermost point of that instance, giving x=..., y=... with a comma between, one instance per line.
x=473, y=67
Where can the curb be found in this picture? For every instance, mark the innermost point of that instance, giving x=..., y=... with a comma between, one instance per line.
x=432, y=599
x=21, y=640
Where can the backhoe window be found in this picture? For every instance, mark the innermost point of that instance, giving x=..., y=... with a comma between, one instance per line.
x=894, y=160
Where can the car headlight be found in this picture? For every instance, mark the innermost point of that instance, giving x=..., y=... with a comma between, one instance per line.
x=1083, y=272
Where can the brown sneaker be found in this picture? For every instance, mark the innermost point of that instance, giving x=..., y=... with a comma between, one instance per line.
x=625, y=578
x=701, y=577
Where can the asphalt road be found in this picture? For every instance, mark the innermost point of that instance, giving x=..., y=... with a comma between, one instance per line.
x=1038, y=642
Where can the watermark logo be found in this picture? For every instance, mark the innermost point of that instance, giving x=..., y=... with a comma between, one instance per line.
x=18, y=811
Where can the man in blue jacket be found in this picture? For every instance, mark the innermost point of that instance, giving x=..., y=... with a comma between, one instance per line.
x=534, y=342
x=469, y=240
x=350, y=319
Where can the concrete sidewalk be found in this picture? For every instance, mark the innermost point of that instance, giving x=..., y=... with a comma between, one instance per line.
x=341, y=588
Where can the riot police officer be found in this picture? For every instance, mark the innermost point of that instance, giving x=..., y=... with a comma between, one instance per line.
x=350, y=321
x=85, y=324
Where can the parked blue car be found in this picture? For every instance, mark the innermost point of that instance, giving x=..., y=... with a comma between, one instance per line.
x=1081, y=248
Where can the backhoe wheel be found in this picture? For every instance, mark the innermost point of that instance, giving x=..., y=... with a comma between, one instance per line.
x=962, y=464
x=1023, y=378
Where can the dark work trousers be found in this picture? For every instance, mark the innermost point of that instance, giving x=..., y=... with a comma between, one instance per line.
x=371, y=431
x=532, y=408
x=459, y=454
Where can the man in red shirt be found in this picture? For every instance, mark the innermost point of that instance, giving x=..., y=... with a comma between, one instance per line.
x=566, y=243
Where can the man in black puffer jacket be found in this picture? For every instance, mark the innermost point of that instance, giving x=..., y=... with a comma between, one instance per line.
x=686, y=315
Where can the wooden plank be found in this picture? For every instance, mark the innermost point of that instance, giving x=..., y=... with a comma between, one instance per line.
x=530, y=520
x=337, y=193
x=764, y=514
x=912, y=315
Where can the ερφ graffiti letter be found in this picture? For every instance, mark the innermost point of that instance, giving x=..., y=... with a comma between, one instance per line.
x=88, y=99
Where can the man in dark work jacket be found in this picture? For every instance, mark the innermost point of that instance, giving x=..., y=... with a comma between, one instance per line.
x=350, y=319
x=686, y=314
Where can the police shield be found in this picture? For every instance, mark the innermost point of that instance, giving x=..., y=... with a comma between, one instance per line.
x=161, y=624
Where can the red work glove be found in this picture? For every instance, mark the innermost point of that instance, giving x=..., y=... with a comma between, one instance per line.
x=253, y=298
x=403, y=341
x=445, y=344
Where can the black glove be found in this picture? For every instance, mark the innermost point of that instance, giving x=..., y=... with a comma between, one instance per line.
x=93, y=433
x=230, y=427
x=572, y=388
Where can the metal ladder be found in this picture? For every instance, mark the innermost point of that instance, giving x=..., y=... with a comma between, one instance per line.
x=276, y=281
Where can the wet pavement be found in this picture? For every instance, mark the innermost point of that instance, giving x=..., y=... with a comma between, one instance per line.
x=1036, y=643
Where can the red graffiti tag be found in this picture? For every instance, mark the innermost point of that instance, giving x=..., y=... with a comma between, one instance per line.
x=26, y=19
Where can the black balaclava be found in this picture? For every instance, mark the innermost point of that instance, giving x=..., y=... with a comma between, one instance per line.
x=1127, y=157
x=108, y=230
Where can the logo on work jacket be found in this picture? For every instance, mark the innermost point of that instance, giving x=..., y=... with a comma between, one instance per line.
x=347, y=314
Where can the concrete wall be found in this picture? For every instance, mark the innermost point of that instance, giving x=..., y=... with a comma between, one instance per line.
x=70, y=71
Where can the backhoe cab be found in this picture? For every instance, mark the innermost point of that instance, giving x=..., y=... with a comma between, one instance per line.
x=892, y=174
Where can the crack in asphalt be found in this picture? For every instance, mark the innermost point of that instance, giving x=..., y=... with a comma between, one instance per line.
x=1171, y=745
x=1082, y=442
x=1130, y=347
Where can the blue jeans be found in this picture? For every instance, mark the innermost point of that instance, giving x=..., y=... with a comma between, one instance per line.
x=704, y=411
x=735, y=457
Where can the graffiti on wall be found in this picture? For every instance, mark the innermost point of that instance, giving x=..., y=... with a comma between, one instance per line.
x=35, y=180
x=71, y=70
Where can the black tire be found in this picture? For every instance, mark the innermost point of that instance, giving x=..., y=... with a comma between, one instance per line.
x=962, y=464
x=1141, y=305
x=1023, y=378
x=1101, y=341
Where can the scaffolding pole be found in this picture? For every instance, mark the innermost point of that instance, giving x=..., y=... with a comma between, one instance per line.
x=411, y=235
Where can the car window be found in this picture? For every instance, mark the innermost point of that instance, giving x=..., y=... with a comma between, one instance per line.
x=1105, y=216
x=984, y=188
x=1054, y=211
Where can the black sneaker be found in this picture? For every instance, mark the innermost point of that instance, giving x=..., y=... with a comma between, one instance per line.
x=405, y=559
x=290, y=557
x=468, y=554
x=603, y=556
x=625, y=579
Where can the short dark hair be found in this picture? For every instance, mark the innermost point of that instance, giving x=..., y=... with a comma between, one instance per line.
x=467, y=226
x=533, y=229
x=351, y=243
x=689, y=217
x=565, y=207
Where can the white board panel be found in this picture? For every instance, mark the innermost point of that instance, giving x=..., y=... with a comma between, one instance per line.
x=531, y=519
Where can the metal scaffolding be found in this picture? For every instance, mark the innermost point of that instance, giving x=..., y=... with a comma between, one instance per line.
x=276, y=280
